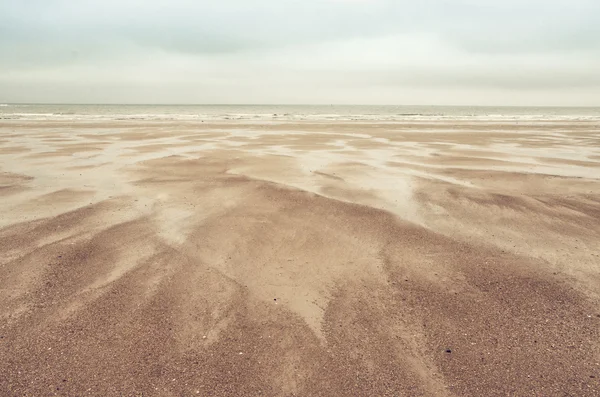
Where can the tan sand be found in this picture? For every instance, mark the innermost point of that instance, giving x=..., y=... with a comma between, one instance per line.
x=315, y=259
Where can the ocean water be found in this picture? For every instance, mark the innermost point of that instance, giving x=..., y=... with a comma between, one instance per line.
x=292, y=112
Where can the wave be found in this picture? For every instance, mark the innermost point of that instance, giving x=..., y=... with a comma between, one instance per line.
x=255, y=117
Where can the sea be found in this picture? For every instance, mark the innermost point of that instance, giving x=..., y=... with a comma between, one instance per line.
x=292, y=113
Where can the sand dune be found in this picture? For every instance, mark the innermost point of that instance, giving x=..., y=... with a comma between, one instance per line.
x=313, y=259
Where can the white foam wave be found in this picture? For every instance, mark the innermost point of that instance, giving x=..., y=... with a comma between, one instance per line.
x=292, y=117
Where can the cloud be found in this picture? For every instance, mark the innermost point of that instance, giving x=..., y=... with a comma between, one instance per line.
x=375, y=51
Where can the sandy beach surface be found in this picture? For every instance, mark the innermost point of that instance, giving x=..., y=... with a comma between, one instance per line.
x=299, y=259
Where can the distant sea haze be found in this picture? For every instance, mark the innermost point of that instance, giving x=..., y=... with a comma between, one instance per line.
x=292, y=112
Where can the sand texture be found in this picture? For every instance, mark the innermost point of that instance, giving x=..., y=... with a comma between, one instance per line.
x=307, y=259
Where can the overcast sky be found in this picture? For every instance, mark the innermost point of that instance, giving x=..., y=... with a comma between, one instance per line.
x=474, y=52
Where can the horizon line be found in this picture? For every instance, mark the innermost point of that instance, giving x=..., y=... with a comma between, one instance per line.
x=289, y=104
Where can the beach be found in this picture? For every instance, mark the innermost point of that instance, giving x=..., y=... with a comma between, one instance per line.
x=420, y=257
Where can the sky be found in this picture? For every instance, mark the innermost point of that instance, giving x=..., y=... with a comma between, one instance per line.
x=425, y=52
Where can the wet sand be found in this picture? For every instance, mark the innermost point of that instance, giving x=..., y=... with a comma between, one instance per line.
x=307, y=259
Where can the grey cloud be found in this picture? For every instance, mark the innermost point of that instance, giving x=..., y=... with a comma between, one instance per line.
x=351, y=46
x=230, y=26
